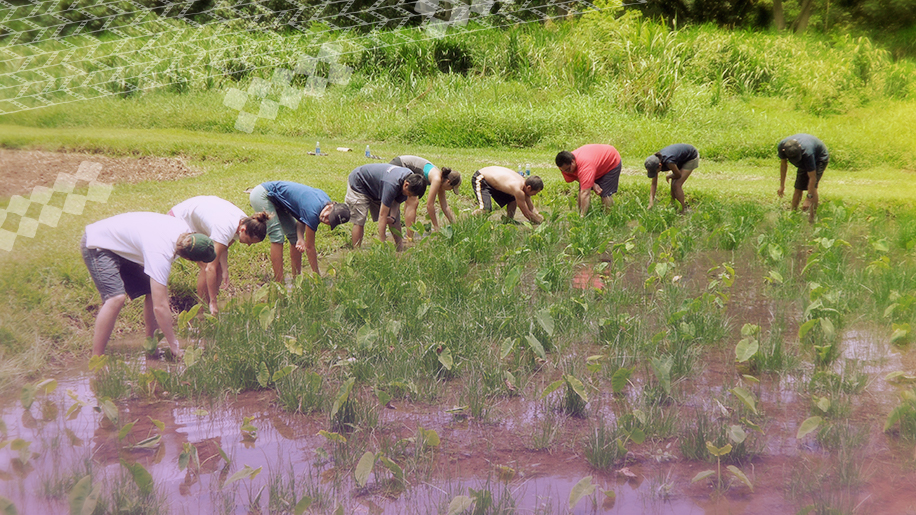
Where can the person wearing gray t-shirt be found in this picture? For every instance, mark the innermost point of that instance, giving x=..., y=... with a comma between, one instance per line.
x=809, y=155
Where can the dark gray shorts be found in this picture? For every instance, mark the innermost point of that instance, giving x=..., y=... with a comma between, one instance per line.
x=609, y=181
x=801, y=177
x=113, y=275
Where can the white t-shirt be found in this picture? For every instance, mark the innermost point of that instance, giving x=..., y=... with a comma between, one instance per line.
x=213, y=216
x=148, y=239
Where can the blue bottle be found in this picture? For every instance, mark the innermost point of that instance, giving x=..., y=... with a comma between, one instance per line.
x=527, y=170
x=317, y=148
x=368, y=154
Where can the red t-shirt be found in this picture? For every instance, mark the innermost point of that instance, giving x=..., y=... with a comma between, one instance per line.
x=592, y=162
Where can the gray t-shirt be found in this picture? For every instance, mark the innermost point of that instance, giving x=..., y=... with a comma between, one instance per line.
x=679, y=154
x=416, y=164
x=813, y=152
x=380, y=182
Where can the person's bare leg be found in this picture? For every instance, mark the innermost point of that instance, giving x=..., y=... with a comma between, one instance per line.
x=677, y=189
x=105, y=322
x=608, y=202
x=796, y=198
x=356, y=236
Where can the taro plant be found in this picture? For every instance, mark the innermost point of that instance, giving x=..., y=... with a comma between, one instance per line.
x=904, y=415
x=575, y=398
x=719, y=452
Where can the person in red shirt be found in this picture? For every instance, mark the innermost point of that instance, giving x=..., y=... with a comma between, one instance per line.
x=596, y=167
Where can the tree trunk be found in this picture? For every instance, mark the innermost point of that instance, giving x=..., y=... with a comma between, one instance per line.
x=801, y=23
x=778, y=15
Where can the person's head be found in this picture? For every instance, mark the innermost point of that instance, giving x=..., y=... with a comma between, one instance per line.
x=566, y=162
x=414, y=185
x=253, y=229
x=451, y=180
x=792, y=149
x=653, y=165
x=196, y=247
x=334, y=214
x=533, y=185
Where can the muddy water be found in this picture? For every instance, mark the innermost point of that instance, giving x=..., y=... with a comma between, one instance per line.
x=494, y=455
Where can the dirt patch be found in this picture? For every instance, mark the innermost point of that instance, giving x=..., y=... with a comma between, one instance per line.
x=22, y=170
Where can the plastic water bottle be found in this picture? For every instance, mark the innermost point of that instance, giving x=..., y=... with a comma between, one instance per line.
x=368, y=154
x=317, y=148
x=527, y=169
x=521, y=171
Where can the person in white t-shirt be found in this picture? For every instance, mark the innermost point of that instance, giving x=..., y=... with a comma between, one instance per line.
x=225, y=224
x=130, y=255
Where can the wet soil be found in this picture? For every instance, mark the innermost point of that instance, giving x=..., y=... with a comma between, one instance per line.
x=22, y=170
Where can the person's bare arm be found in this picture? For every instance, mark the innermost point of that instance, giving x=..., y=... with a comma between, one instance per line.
x=163, y=314
x=783, y=168
x=213, y=280
x=524, y=203
x=446, y=209
x=585, y=197
x=410, y=213
x=383, y=221
x=652, y=190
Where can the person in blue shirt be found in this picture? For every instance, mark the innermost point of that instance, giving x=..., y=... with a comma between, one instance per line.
x=295, y=212
x=380, y=189
x=809, y=155
x=679, y=160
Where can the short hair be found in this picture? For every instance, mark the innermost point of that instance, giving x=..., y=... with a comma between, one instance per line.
x=416, y=184
x=792, y=149
x=535, y=182
x=565, y=158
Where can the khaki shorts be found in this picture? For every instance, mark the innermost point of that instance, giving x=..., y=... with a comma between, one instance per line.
x=362, y=205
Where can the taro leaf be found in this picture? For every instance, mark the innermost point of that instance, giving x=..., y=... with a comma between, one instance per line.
x=620, y=378
x=545, y=320
x=84, y=496
x=292, y=345
x=581, y=489
x=746, y=397
x=702, y=475
x=148, y=443
x=263, y=375
x=828, y=328
x=810, y=424
x=593, y=363
x=746, y=349
x=48, y=385
x=901, y=331
x=637, y=436
x=192, y=355
x=366, y=337
x=246, y=472
x=200, y=412
x=881, y=245
x=552, y=387
x=28, y=396
x=775, y=277
x=126, y=430
x=421, y=288
x=75, y=408
x=751, y=425
x=750, y=378
x=364, y=468
x=342, y=396
x=740, y=475
x=823, y=404
x=97, y=363
x=750, y=329
x=576, y=386
x=142, y=477
x=536, y=346
x=7, y=507
x=445, y=358
x=459, y=504
x=185, y=457
x=804, y=328
x=718, y=451
x=110, y=410
x=422, y=309
x=506, y=347
x=334, y=437
x=895, y=415
x=736, y=434
x=383, y=397
x=890, y=309
x=302, y=505
x=662, y=367
x=283, y=372
x=775, y=252
x=392, y=467
x=900, y=377
x=512, y=279
x=430, y=437
x=510, y=380
x=266, y=316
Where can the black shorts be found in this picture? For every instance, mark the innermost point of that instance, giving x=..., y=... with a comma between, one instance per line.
x=801, y=177
x=609, y=181
x=486, y=194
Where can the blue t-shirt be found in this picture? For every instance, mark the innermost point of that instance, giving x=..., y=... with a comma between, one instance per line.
x=813, y=151
x=383, y=183
x=303, y=202
x=679, y=154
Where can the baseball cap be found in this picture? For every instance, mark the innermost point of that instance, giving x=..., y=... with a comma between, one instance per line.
x=652, y=166
x=792, y=149
x=340, y=214
x=200, y=249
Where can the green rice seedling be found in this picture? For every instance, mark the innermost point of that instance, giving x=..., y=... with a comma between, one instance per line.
x=602, y=449
x=546, y=429
x=302, y=392
x=116, y=380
